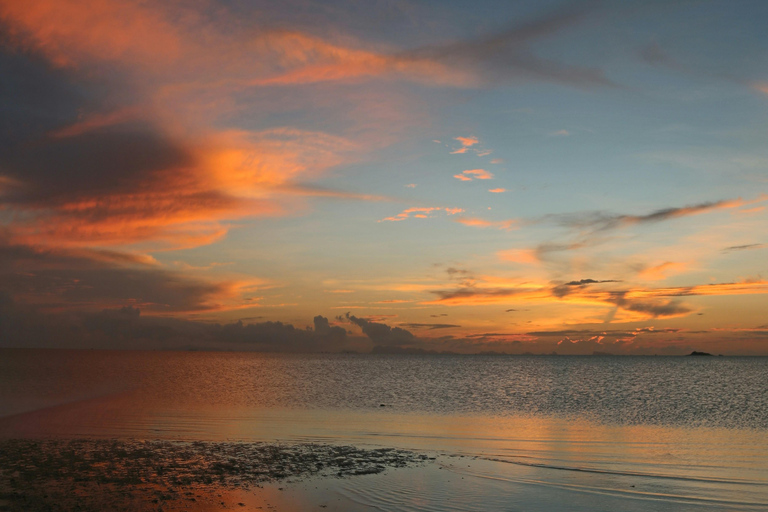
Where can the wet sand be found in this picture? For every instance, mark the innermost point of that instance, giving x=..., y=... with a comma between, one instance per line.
x=96, y=475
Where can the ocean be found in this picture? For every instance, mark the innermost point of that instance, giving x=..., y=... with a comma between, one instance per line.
x=513, y=432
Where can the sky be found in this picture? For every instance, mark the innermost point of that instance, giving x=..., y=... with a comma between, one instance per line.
x=533, y=176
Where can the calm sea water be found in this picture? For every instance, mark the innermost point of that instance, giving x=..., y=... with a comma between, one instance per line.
x=596, y=433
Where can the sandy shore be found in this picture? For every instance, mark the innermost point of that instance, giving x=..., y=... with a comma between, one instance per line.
x=97, y=475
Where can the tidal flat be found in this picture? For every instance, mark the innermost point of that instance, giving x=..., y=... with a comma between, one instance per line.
x=121, y=474
x=172, y=431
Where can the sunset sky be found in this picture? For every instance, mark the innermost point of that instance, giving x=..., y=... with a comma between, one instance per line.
x=528, y=176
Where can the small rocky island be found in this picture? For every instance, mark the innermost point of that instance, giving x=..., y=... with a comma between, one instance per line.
x=696, y=353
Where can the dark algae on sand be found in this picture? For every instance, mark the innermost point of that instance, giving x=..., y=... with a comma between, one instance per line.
x=91, y=475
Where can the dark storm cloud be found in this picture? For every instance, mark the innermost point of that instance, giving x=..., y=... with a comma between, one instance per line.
x=34, y=97
x=382, y=334
x=109, y=159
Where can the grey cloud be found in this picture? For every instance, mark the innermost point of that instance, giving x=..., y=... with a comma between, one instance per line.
x=658, y=309
x=382, y=334
x=472, y=292
x=34, y=97
x=280, y=337
x=505, y=55
x=127, y=328
x=62, y=278
x=565, y=289
x=600, y=221
x=743, y=247
x=582, y=282
x=117, y=158
x=429, y=326
x=593, y=226
x=655, y=309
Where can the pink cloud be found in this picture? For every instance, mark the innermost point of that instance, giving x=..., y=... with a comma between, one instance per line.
x=477, y=174
x=420, y=213
x=467, y=141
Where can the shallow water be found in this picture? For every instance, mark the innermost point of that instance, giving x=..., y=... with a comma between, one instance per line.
x=595, y=433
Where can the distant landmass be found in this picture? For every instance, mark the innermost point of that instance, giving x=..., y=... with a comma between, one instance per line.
x=695, y=353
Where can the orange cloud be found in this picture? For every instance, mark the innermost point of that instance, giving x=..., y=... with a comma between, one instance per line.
x=72, y=31
x=506, y=225
x=661, y=271
x=527, y=256
x=629, y=304
x=228, y=176
x=467, y=141
x=497, y=190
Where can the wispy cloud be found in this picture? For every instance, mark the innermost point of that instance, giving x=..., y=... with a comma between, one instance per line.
x=470, y=144
x=474, y=174
x=430, y=327
x=589, y=229
x=421, y=213
x=85, y=279
x=662, y=270
x=506, y=225
x=634, y=302
x=497, y=190
x=745, y=247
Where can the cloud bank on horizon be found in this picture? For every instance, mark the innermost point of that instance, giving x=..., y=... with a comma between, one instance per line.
x=540, y=176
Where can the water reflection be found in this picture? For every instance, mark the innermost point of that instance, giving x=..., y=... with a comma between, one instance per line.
x=546, y=430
